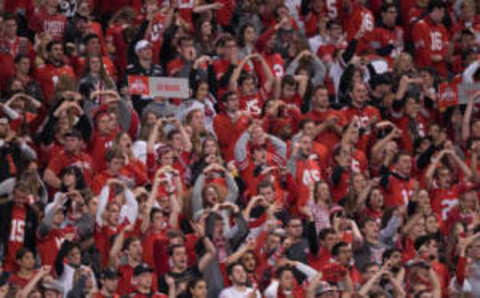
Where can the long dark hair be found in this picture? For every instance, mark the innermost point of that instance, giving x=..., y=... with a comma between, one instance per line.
x=79, y=179
x=104, y=77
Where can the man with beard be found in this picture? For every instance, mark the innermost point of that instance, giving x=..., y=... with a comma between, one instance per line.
x=237, y=274
x=306, y=166
x=49, y=73
x=180, y=271
x=143, y=277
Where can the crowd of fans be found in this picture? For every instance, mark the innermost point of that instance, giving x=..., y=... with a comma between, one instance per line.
x=324, y=150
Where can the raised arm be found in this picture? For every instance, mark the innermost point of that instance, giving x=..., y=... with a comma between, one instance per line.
x=152, y=139
x=39, y=275
x=117, y=247
x=102, y=204
x=197, y=199
x=467, y=76
x=279, y=145
x=187, y=144
x=467, y=117
x=432, y=167
x=460, y=163
x=270, y=78
x=302, y=81
x=209, y=254
x=241, y=151
x=131, y=204
x=233, y=84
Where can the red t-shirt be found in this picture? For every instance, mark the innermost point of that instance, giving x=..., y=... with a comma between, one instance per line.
x=98, y=147
x=228, y=133
x=49, y=246
x=253, y=104
x=48, y=75
x=398, y=191
x=52, y=24
x=18, y=281
x=328, y=137
x=15, y=240
x=444, y=200
x=82, y=160
x=361, y=17
x=430, y=39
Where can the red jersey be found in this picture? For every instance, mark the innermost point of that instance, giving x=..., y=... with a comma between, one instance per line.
x=310, y=170
x=430, y=39
x=98, y=147
x=334, y=9
x=54, y=25
x=156, y=33
x=174, y=66
x=19, y=45
x=18, y=281
x=228, y=133
x=381, y=37
x=409, y=133
x=247, y=171
x=444, y=200
x=148, y=242
x=327, y=52
x=103, y=237
x=361, y=18
x=276, y=63
x=359, y=164
x=114, y=35
x=185, y=9
x=319, y=260
x=224, y=14
x=49, y=246
x=134, y=174
x=82, y=160
x=398, y=191
x=253, y=104
x=328, y=137
x=23, y=7
x=367, y=115
x=48, y=75
x=17, y=234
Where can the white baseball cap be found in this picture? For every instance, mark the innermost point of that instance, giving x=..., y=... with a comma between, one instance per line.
x=142, y=44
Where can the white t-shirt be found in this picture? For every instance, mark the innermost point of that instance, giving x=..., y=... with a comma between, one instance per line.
x=231, y=292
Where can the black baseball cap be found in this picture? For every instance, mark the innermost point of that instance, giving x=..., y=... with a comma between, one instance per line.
x=142, y=268
x=109, y=274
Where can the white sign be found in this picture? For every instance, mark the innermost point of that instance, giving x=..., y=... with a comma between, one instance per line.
x=159, y=87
